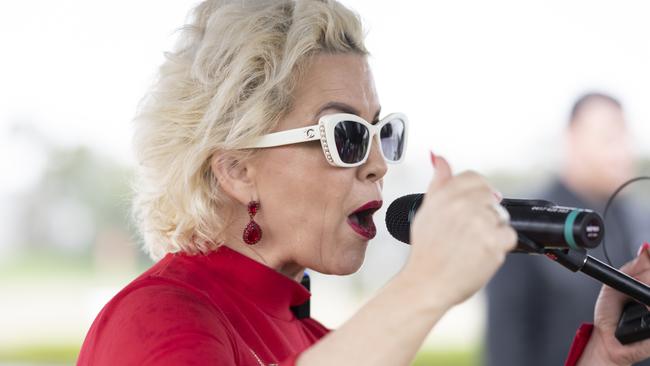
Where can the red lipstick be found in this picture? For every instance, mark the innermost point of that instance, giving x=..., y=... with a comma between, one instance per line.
x=361, y=219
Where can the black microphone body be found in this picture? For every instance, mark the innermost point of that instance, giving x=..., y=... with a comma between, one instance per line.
x=548, y=226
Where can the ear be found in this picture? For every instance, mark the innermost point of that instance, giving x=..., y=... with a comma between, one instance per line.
x=234, y=177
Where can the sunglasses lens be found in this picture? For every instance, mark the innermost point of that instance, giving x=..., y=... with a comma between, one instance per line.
x=351, y=141
x=392, y=139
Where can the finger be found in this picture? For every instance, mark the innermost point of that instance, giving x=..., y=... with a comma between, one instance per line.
x=640, y=264
x=484, y=224
x=508, y=237
x=471, y=210
x=469, y=181
x=479, y=199
x=638, y=268
x=629, y=266
x=502, y=215
x=442, y=174
x=498, y=196
x=503, y=237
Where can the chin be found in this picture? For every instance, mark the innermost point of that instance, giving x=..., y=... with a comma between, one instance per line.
x=346, y=264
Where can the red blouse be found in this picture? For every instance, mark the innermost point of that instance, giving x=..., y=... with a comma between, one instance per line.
x=222, y=308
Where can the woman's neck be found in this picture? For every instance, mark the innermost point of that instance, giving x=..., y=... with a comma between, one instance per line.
x=270, y=259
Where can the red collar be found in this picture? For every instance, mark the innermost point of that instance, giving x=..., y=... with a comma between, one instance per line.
x=272, y=291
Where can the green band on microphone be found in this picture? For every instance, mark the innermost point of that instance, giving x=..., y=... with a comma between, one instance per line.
x=568, y=229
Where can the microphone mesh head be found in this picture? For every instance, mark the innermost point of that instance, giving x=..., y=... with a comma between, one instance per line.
x=399, y=215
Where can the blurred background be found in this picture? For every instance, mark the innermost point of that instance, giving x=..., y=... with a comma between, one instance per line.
x=488, y=85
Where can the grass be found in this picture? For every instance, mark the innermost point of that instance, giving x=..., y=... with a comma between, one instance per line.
x=41, y=354
x=67, y=354
x=461, y=357
x=46, y=266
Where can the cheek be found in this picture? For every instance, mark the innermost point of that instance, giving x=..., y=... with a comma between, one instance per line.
x=303, y=195
x=304, y=204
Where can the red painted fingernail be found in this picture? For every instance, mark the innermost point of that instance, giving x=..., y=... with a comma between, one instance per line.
x=433, y=158
x=645, y=246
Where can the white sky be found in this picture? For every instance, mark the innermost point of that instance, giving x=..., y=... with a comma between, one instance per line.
x=488, y=84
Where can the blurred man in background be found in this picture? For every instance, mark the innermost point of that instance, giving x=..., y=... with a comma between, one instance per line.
x=535, y=305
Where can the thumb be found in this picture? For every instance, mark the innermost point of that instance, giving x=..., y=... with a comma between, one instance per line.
x=641, y=263
x=442, y=172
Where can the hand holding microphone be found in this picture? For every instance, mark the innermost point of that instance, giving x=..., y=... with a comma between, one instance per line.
x=459, y=237
x=461, y=232
x=540, y=224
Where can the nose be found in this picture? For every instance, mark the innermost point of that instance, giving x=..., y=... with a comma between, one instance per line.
x=375, y=167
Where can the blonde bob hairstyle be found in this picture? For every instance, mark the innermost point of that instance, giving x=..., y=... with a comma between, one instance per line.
x=229, y=78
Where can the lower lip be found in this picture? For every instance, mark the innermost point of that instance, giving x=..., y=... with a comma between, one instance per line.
x=366, y=233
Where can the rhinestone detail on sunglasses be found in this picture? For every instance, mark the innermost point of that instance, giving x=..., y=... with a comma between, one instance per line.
x=323, y=141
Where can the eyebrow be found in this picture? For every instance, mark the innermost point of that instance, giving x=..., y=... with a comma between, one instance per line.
x=345, y=108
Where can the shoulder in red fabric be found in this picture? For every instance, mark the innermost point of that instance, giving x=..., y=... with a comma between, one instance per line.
x=222, y=308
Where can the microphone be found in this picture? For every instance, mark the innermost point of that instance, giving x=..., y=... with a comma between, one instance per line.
x=547, y=225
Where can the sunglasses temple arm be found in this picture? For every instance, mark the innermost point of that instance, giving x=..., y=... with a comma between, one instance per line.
x=297, y=135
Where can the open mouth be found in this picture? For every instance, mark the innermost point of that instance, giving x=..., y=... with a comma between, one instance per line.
x=361, y=219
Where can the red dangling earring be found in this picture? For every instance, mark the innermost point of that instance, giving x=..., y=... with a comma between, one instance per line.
x=252, y=232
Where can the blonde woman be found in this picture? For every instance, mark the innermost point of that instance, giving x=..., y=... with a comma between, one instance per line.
x=261, y=150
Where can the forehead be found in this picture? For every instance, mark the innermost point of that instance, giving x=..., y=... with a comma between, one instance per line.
x=336, y=78
x=599, y=108
x=598, y=124
x=600, y=114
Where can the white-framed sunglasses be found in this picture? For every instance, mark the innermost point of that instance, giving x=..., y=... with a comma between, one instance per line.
x=346, y=139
